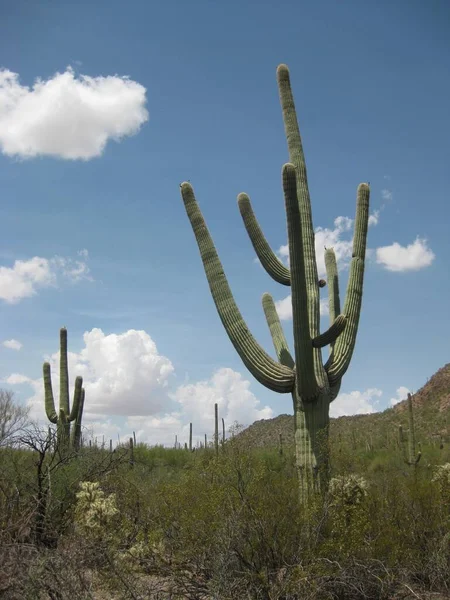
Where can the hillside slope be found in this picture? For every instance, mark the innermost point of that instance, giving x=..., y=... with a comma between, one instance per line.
x=431, y=411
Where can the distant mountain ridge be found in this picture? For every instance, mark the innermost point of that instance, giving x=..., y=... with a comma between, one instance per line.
x=431, y=411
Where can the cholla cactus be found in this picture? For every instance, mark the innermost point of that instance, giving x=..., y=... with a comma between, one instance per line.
x=349, y=490
x=94, y=511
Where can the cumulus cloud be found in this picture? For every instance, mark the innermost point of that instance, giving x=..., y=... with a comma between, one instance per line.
x=17, y=379
x=330, y=238
x=401, y=394
x=399, y=258
x=68, y=116
x=387, y=195
x=124, y=375
x=231, y=392
x=374, y=218
x=26, y=277
x=355, y=403
x=284, y=307
x=12, y=344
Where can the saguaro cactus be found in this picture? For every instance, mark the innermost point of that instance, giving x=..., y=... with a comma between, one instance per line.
x=216, y=428
x=312, y=383
x=65, y=415
x=410, y=457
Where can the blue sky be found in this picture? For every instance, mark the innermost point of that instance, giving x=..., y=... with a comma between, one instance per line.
x=94, y=232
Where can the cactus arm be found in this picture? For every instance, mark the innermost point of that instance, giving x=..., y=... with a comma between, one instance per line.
x=297, y=158
x=334, y=302
x=48, y=391
x=75, y=434
x=276, y=330
x=268, y=372
x=76, y=399
x=271, y=263
x=332, y=333
x=341, y=354
x=306, y=384
x=63, y=372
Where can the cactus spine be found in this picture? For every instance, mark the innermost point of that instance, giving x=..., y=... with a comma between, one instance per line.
x=410, y=457
x=312, y=383
x=65, y=415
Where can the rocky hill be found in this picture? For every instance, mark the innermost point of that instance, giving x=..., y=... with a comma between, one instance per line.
x=431, y=411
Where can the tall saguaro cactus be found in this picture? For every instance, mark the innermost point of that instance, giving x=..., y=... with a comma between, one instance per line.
x=410, y=457
x=65, y=415
x=313, y=384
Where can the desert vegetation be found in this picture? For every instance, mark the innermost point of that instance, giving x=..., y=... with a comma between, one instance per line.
x=174, y=523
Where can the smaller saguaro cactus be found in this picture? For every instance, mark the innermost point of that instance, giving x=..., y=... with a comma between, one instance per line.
x=223, y=432
x=410, y=457
x=190, y=437
x=216, y=427
x=131, y=453
x=65, y=415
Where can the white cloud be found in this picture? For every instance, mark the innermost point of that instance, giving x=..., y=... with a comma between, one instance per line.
x=374, y=218
x=25, y=277
x=68, y=116
x=17, y=379
x=398, y=258
x=402, y=392
x=124, y=375
x=284, y=307
x=343, y=223
x=329, y=238
x=355, y=403
x=12, y=344
x=387, y=195
x=231, y=392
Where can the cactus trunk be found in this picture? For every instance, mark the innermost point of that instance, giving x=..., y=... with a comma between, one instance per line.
x=311, y=445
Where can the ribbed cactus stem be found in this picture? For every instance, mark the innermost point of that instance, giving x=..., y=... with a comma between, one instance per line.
x=409, y=445
x=190, y=437
x=64, y=403
x=131, y=453
x=223, y=432
x=216, y=428
x=76, y=428
x=269, y=260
